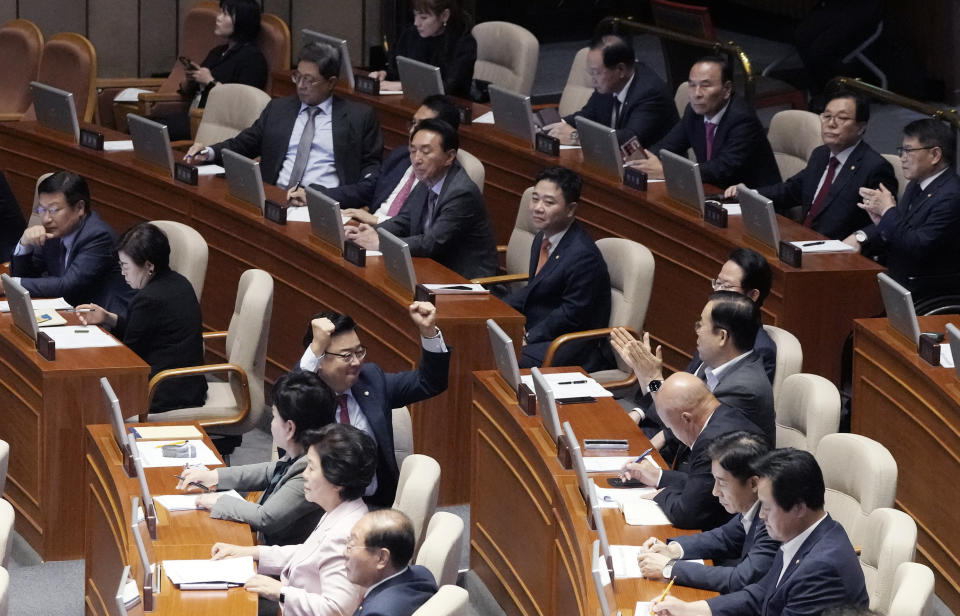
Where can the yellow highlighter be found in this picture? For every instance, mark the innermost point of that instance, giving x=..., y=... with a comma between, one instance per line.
x=173, y=443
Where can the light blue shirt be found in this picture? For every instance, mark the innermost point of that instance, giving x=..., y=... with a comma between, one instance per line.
x=320, y=166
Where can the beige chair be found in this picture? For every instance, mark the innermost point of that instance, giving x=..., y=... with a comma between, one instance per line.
x=579, y=88
x=4, y=464
x=439, y=552
x=449, y=601
x=21, y=45
x=912, y=591
x=188, y=252
x=69, y=62
x=891, y=540
x=402, y=435
x=860, y=475
x=518, y=247
x=474, y=168
x=894, y=160
x=808, y=409
x=231, y=107
x=793, y=135
x=417, y=491
x=4, y=591
x=789, y=356
x=682, y=98
x=7, y=518
x=234, y=406
x=506, y=55
x=34, y=217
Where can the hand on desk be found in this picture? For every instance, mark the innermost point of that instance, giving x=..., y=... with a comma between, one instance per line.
x=562, y=131
x=203, y=476
x=196, y=155
x=364, y=235
x=297, y=196
x=645, y=363
x=731, y=191
x=652, y=564
x=650, y=165
x=646, y=471
x=671, y=550
x=361, y=215
x=378, y=75
x=96, y=316
x=265, y=586
x=219, y=551
x=34, y=236
x=207, y=501
x=671, y=606
x=851, y=241
x=424, y=316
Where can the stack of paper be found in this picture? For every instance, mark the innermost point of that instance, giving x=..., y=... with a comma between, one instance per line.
x=80, y=337
x=570, y=385
x=187, y=502
x=151, y=454
x=233, y=571
x=823, y=246
x=617, y=498
x=644, y=512
x=42, y=304
x=166, y=432
x=606, y=464
x=625, y=565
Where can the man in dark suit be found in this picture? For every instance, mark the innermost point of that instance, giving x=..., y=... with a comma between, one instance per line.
x=629, y=96
x=366, y=395
x=741, y=549
x=569, y=286
x=917, y=238
x=378, y=557
x=311, y=139
x=445, y=219
x=72, y=253
x=815, y=568
x=696, y=418
x=723, y=130
x=827, y=189
x=11, y=220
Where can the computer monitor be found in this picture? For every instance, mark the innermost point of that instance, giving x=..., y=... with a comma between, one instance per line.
x=151, y=581
x=55, y=109
x=149, y=509
x=602, y=580
x=112, y=405
x=546, y=404
x=512, y=113
x=346, y=68
x=135, y=606
x=244, y=181
x=151, y=142
x=397, y=261
x=326, y=219
x=576, y=456
x=418, y=79
x=600, y=147
x=898, y=303
x=21, y=307
x=954, y=334
x=597, y=512
x=504, y=355
x=682, y=179
x=759, y=217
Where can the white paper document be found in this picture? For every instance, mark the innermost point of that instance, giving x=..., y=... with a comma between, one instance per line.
x=301, y=213
x=151, y=454
x=823, y=246
x=616, y=498
x=42, y=304
x=606, y=464
x=644, y=512
x=571, y=385
x=188, y=502
x=167, y=433
x=124, y=145
x=569, y=147
x=733, y=209
x=486, y=118
x=210, y=169
x=643, y=608
x=129, y=95
x=229, y=570
x=625, y=565
x=458, y=288
x=946, y=355
x=390, y=92
x=80, y=337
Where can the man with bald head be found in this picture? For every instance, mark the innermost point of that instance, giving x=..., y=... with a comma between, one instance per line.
x=696, y=418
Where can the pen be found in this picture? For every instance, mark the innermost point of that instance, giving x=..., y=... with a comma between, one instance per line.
x=642, y=456
x=78, y=309
x=81, y=331
x=805, y=244
x=581, y=382
x=173, y=443
x=663, y=595
x=194, y=483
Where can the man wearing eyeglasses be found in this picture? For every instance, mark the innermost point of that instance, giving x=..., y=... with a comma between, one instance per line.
x=72, y=252
x=310, y=139
x=366, y=395
x=917, y=237
x=827, y=188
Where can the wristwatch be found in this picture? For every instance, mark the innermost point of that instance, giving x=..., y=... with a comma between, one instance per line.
x=860, y=236
x=668, y=568
x=654, y=385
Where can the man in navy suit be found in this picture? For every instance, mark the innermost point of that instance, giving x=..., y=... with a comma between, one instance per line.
x=741, y=549
x=72, y=253
x=696, y=418
x=917, y=237
x=815, y=568
x=569, y=286
x=366, y=395
x=378, y=557
x=723, y=130
x=339, y=156
x=628, y=96
x=827, y=190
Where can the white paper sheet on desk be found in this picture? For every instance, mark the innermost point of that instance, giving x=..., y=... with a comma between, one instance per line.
x=453, y=288
x=569, y=147
x=301, y=213
x=946, y=355
x=389, y=92
x=625, y=565
x=823, y=246
x=615, y=498
x=210, y=169
x=129, y=95
x=229, y=570
x=188, y=502
x=570, y=385
x=606, y=464
x=42, y=304
x=123, y=145
x=643, y=608
x=151, y=454
x=80, y=337
x=644, y=513
x=167, y=433
x=486, y=118
x=733, y=209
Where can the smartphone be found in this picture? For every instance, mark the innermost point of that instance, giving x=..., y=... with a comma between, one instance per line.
x=616, y=482
x=187, y=63
x=578, y=400
x=605, y=443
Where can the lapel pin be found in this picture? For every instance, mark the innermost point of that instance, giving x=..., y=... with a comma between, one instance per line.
x=366, y=393
x=852, y=167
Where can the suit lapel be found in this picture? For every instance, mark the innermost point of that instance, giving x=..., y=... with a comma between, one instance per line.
x=341, y=136
x=808, y=545
x=847, y=171
x=535, y=255
x=368, y=398
x=923, y=195
x=418, y=198
x=555, y=257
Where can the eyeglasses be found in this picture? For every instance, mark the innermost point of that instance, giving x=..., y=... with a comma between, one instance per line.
x=43, y=211
x=827, y=118
x=296, y=77
x=360, y=353
x=353, y=544
x=720, y=285
x=902, y=150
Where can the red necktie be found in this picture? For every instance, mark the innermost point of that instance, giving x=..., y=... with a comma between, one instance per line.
x=711, y=131
x=544, y=254
x=344, y=416
x=401, y=197
x=821, y=197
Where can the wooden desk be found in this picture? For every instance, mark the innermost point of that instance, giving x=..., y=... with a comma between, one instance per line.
x=914, y=410
x=308, y=277
x=180, y=535
x=45, y=407
x=529, y=538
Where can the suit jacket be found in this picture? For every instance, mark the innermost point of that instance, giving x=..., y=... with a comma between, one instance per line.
x=918, y=238
x=460, y=237
x=571, y=293
x=741, y=152
x=825, y=572
x=686, y=497
x=163, y=326
x=648, y=111
x=357, y=144
x=839, y=216
x=92, y=272
x=284, y=518
x=749, y=554
x=314, y=574
x=401, y=595
x=11, y=220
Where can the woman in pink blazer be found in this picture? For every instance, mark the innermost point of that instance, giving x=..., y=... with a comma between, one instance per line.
x=341, y=461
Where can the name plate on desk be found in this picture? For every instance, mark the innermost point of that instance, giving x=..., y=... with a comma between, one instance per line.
x=929, y=349
x=790, y=254
x=714, y=214
x=354, y=253
x=466, y=114
x=548, y=145
x=275, y=212
x=634, y=178
x=527, y=399
x=46, y=347
x=91, y=139
x=187, y=174
x=365, y=84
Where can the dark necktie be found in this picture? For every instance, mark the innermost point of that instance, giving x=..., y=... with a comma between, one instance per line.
x=616, y=112
x=711, y=131
x=278, y=471
x=303, y=150
x=343, y=417
x=62, y=259
x=913, y=189
x=431, y=211
x=821, y=198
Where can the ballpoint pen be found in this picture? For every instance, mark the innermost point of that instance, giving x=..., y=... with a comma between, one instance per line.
x=817, y=243
x=642, y=456
x=194, y=483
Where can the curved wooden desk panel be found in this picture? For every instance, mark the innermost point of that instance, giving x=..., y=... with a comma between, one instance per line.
x=913, y=408
x=308, y=277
